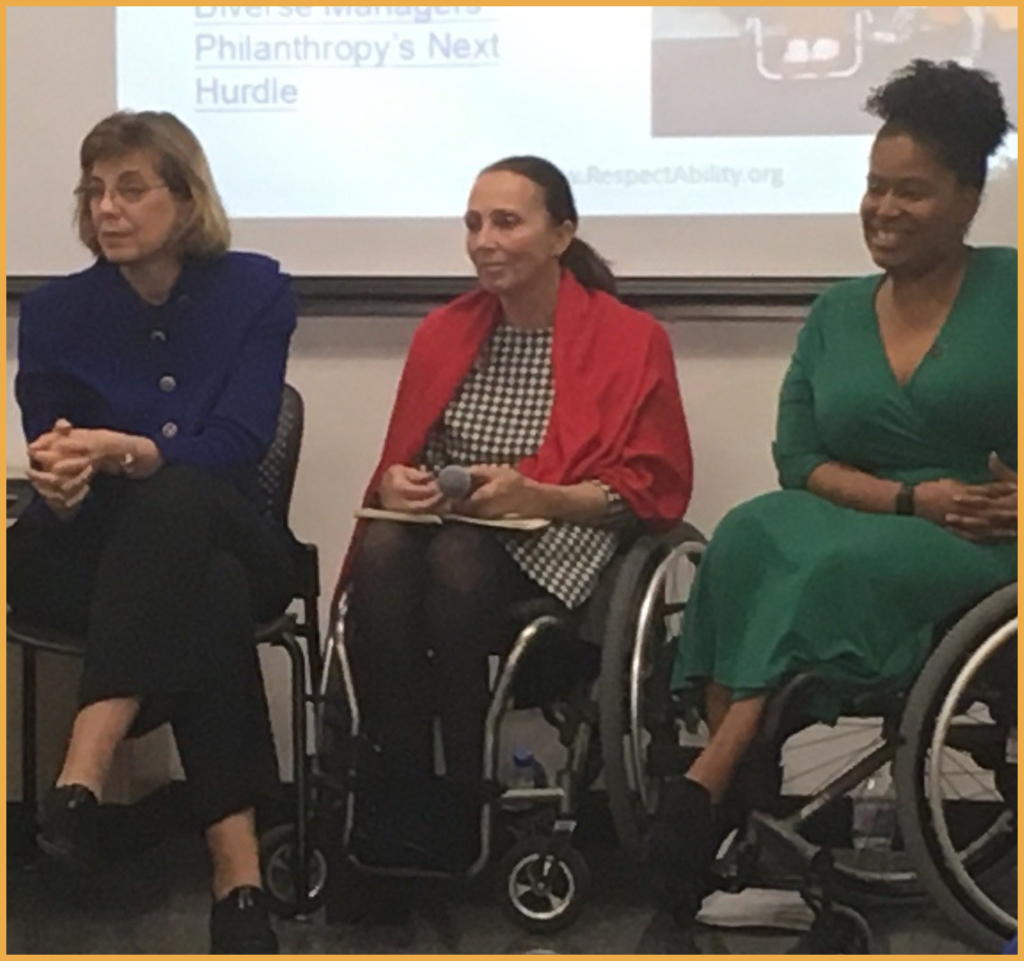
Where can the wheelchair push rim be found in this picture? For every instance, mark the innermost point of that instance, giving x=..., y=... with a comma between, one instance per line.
x=957, y=727
x=955, y=859
x=635, y=633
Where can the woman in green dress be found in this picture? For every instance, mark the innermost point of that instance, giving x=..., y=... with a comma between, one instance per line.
x=896, y=452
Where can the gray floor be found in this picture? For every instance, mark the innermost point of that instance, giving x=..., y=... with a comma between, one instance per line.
x=154, y=901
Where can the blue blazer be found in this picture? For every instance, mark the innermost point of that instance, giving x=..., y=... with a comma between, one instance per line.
x=201, y=375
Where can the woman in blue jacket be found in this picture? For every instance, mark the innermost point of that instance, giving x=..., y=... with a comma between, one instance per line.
x=149, y=386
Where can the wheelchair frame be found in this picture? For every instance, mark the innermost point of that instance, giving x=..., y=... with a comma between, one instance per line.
x=632, y=608
x=543, y=863
x=768, y=839
x=551, y=852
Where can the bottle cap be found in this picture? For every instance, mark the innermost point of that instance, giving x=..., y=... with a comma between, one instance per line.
x=522, y=757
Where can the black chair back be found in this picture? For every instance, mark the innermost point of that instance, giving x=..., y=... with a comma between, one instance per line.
x=276, y=472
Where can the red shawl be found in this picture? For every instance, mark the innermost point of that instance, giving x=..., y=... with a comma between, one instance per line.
x=617, y=415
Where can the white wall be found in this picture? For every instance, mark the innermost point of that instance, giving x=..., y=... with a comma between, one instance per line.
x=347, y=370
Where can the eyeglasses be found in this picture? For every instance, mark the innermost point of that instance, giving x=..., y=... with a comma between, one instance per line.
x=120, y=194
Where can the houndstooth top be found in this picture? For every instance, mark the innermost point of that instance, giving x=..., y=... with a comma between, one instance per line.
x=498, y=416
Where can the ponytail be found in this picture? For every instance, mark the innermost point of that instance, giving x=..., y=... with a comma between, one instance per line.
x=588, y=266
x=580, y=259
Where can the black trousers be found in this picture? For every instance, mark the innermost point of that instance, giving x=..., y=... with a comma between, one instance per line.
x=428, y=606
x=167, y=578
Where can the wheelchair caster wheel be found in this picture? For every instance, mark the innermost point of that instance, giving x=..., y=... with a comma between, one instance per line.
x=542, y=891
x=277, y=868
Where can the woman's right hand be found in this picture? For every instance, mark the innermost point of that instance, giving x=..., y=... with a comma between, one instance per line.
x=63, y=483
x=63, y=493
x=409, y=490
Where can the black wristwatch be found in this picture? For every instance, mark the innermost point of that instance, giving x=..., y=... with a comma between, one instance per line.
x=905, y=500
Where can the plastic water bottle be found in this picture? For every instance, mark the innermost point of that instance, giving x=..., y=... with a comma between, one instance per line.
x=527, y=771
x=874, y=813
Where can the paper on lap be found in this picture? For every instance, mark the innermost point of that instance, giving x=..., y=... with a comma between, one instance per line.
x=511, y=523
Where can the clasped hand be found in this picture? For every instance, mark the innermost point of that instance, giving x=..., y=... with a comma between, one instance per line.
x=64, y=460
x=983, y=513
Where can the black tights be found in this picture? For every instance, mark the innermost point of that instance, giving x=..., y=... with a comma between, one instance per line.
x=429, y=604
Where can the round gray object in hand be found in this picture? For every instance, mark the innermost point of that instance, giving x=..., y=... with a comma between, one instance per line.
x=455, y=481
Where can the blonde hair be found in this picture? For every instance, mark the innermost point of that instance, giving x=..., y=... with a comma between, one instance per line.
x=181, y=164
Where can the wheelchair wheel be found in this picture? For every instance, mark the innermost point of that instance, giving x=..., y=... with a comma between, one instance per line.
x=637, y=653
x=541, y=891
x=277, y=868
x=956, y=772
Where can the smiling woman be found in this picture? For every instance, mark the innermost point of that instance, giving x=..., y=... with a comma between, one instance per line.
x=561, y=403
x=915, y=211
x=896, y=447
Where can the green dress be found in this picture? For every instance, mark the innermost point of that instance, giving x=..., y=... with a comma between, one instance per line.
x=792, y=582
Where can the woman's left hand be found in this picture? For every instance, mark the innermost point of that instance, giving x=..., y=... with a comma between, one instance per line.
x=987, y=512
x=500, y=491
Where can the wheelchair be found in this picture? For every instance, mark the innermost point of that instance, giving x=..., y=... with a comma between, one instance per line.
x=951, y=742
x=553, y=664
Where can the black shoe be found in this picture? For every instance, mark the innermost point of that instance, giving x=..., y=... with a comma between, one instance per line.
x=664, y=936
x=681, y=847
x=240, y=924
x=68, y=826
x=836, y=930
x=430, y=825
x=369, y=899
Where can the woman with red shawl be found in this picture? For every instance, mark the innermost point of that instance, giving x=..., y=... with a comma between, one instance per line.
x=563, y=404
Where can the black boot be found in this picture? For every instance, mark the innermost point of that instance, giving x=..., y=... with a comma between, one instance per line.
x=240, y=924
x=356, y=897
x=664, y=936
x=681, y=847
x=68, y=826
x=837, y=929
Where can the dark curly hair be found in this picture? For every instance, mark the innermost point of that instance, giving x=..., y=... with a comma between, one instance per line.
x=956, y=112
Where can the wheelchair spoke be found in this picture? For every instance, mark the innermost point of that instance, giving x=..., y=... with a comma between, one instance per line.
x=832, y=762
x=833, y=739
x=1001, y=827
x=963, y=772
